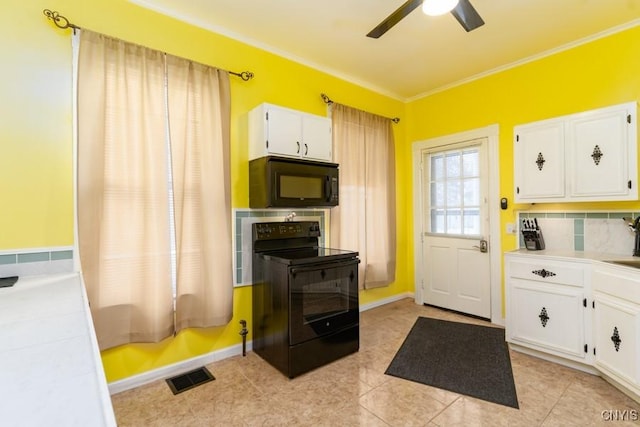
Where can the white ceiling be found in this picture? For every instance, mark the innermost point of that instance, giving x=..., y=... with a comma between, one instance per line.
x=421, y=54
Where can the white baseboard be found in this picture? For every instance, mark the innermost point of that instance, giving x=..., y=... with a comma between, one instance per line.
x=176, y=368
x=555, y=359
x=385, y=301
x=196, y=362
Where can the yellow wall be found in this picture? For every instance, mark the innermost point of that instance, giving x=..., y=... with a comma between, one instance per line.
x=36, y=138
x=35, y=132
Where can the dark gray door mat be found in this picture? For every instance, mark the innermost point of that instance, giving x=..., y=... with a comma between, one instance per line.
x=468, y=359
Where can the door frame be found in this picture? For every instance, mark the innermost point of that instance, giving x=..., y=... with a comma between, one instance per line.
x=491, y=133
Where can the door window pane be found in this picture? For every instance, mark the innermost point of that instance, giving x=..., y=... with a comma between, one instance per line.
x=471, y=221
x=437, y=221
x=437, y=167
x=437, y=194
x=454, y=183
x=471, y=193
x=453, y=165
x=454, y=221
x=471, y=163
x=453, y=193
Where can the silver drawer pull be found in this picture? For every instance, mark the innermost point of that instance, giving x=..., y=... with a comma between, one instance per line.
x=543, y=273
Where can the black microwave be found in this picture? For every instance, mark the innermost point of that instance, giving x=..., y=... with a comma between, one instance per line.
x=281, y=182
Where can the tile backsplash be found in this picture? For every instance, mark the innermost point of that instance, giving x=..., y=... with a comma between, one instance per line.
x=242, y=244
x=584, y=231
x=28, y=262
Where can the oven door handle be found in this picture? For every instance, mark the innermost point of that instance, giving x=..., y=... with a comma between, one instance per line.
x=315, y=267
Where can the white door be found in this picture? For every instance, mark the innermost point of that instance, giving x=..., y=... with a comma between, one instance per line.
x=455, y=235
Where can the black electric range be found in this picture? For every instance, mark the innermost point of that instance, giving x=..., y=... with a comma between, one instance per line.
x=305, y=297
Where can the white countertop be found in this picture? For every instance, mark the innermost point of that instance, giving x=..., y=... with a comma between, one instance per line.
x=50, y=367
x=576, y=255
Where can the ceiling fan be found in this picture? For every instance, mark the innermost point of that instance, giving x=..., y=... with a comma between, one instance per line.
x=464, y=12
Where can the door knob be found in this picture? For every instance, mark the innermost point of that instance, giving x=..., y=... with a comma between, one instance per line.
x=484, y=246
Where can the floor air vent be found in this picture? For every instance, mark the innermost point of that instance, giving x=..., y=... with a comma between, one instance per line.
x=192, y=379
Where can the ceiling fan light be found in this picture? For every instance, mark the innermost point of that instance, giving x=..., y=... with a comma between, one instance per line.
x=438, y=7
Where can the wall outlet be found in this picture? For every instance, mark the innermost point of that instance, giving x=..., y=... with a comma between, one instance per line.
x=511, y=228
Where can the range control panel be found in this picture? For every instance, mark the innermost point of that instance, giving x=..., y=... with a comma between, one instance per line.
x=285, y=230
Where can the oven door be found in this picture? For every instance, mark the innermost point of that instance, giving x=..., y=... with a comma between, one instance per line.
x=323, y=299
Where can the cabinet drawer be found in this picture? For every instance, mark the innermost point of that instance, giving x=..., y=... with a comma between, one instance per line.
x=622, y=282
x=548, y=272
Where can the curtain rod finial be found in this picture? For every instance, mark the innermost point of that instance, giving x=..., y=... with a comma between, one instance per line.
x=59, y=20
x=326, y=99
x=246, y=75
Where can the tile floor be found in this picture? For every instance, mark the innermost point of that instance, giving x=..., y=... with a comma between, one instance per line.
x=354, y=391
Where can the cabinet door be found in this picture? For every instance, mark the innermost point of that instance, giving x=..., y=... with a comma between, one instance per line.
x=617, y=324
x=316, y=138
x=547, y=317
x=539, y=161
x=284, y=132
x=599, y=153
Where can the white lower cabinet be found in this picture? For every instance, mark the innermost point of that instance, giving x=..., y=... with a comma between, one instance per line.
x=576, y=311
x=548, y=317
x=546, y=306
x=617, y=323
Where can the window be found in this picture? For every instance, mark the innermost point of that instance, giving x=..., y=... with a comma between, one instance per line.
x=153, y=184
x=454, y=192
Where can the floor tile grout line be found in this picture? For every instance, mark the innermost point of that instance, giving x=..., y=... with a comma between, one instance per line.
x=444, y=409
x=556, y=402
x=372, y=413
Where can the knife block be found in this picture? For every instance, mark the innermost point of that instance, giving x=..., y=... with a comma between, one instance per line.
x=533, y=239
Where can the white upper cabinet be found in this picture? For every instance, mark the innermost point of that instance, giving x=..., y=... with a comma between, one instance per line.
x=539, y=161
x=601, y=146
x=589, y=156
x=279, y=131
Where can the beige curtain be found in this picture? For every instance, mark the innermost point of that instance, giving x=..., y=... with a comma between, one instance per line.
x=199, y=108
x=131, y=101
x=365, y=220
x=122, y=190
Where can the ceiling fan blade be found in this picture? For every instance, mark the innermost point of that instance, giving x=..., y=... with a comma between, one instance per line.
x=394, y=18
x=467, y=16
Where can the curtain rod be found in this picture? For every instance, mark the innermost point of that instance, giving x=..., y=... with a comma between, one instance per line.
x=62, y=22
x=328, y=101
